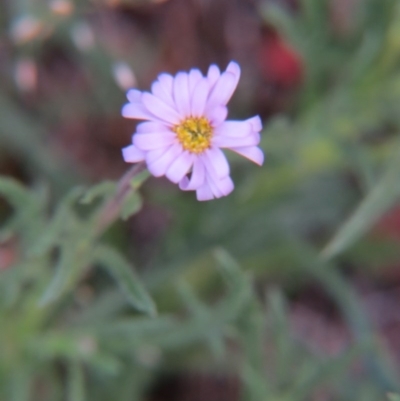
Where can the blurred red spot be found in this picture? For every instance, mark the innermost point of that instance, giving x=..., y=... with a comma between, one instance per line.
x=281, y=64
x=8, y=255
x=389, y=225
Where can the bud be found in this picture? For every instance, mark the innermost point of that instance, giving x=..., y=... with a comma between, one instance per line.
x=83, y=36
x=26, y=75
x=25, y=29
x=124, y=76
x=61, y=7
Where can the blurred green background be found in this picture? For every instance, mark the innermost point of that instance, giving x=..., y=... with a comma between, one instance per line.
x=287, y=290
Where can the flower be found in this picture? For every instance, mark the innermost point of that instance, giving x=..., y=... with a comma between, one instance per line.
x=186, y=128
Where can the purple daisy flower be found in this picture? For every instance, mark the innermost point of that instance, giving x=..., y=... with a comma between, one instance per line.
x=186, y=128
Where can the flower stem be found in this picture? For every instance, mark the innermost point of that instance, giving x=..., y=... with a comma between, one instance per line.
x=112, y=208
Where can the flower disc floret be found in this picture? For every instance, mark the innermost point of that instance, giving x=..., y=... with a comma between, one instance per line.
x=194, y=134
x=185, y=129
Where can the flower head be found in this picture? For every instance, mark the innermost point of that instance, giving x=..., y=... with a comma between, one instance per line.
x=186, y=128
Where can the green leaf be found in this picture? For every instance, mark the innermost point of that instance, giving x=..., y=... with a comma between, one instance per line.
x=139, y=179
x=101, y=309
x=62, y=219
x=105, y=364
x=255, y=385
x=59, y=280
x=105, y=188
x=27, y=219
x=136, y=328
x=74, y=257
x=25, y=137
x=313, y=374
x=56, y=344
x=230, y=269
x=239, y=286
x=132, y=204
x=393, y=397
x=343, y=294
x=279, y=326
x=280, y=18
x=126, y=278
x=21, y=385
x=200, y=312
x=382, y=197
x=15, y=193
x=76, y=382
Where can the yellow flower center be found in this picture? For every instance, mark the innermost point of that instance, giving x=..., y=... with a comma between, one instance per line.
x=194, y=134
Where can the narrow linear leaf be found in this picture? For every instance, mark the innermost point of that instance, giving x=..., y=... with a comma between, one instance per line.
x=126, y=278
x=15, y=193
x=254, y=383
x=131, y=205
x=25, y=137
x=315, y=374
x=239, y=285
x=230, y=269
x=60, y=278
x=138, y=327
x=200, y=311
x=380, y=367
x=105, y=364
x=280, y=328
x=280, y=18
x=76, y=382
x=139, y=179
x=21, y=385
x=68, y=271
x=58, y=224
x=105, y=188
x=379, y=201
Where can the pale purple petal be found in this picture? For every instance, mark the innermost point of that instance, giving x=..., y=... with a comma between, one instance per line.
x=159, y=91
x=181, y=94
x=222, y=91
x=132, y=154
x=217, y=115
x=225, y=185
x=214, y=188
x=215, y=162
x=252, y=153
x=180, y=167
x=220, y=188
x=167, y=82
x=213, y=74
x=153, y=155
x=160, y=166
x=160, y=109
x=234, y=129
x=199, y=97
x=154, y=140
x=136, y=111
x=134, y=95
x=234, y=68
x=204, y=193
x=184, y=183
x=256, y=123
x=194, y=77
x=232, y=142
x=197, y=178
x=152, y=126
